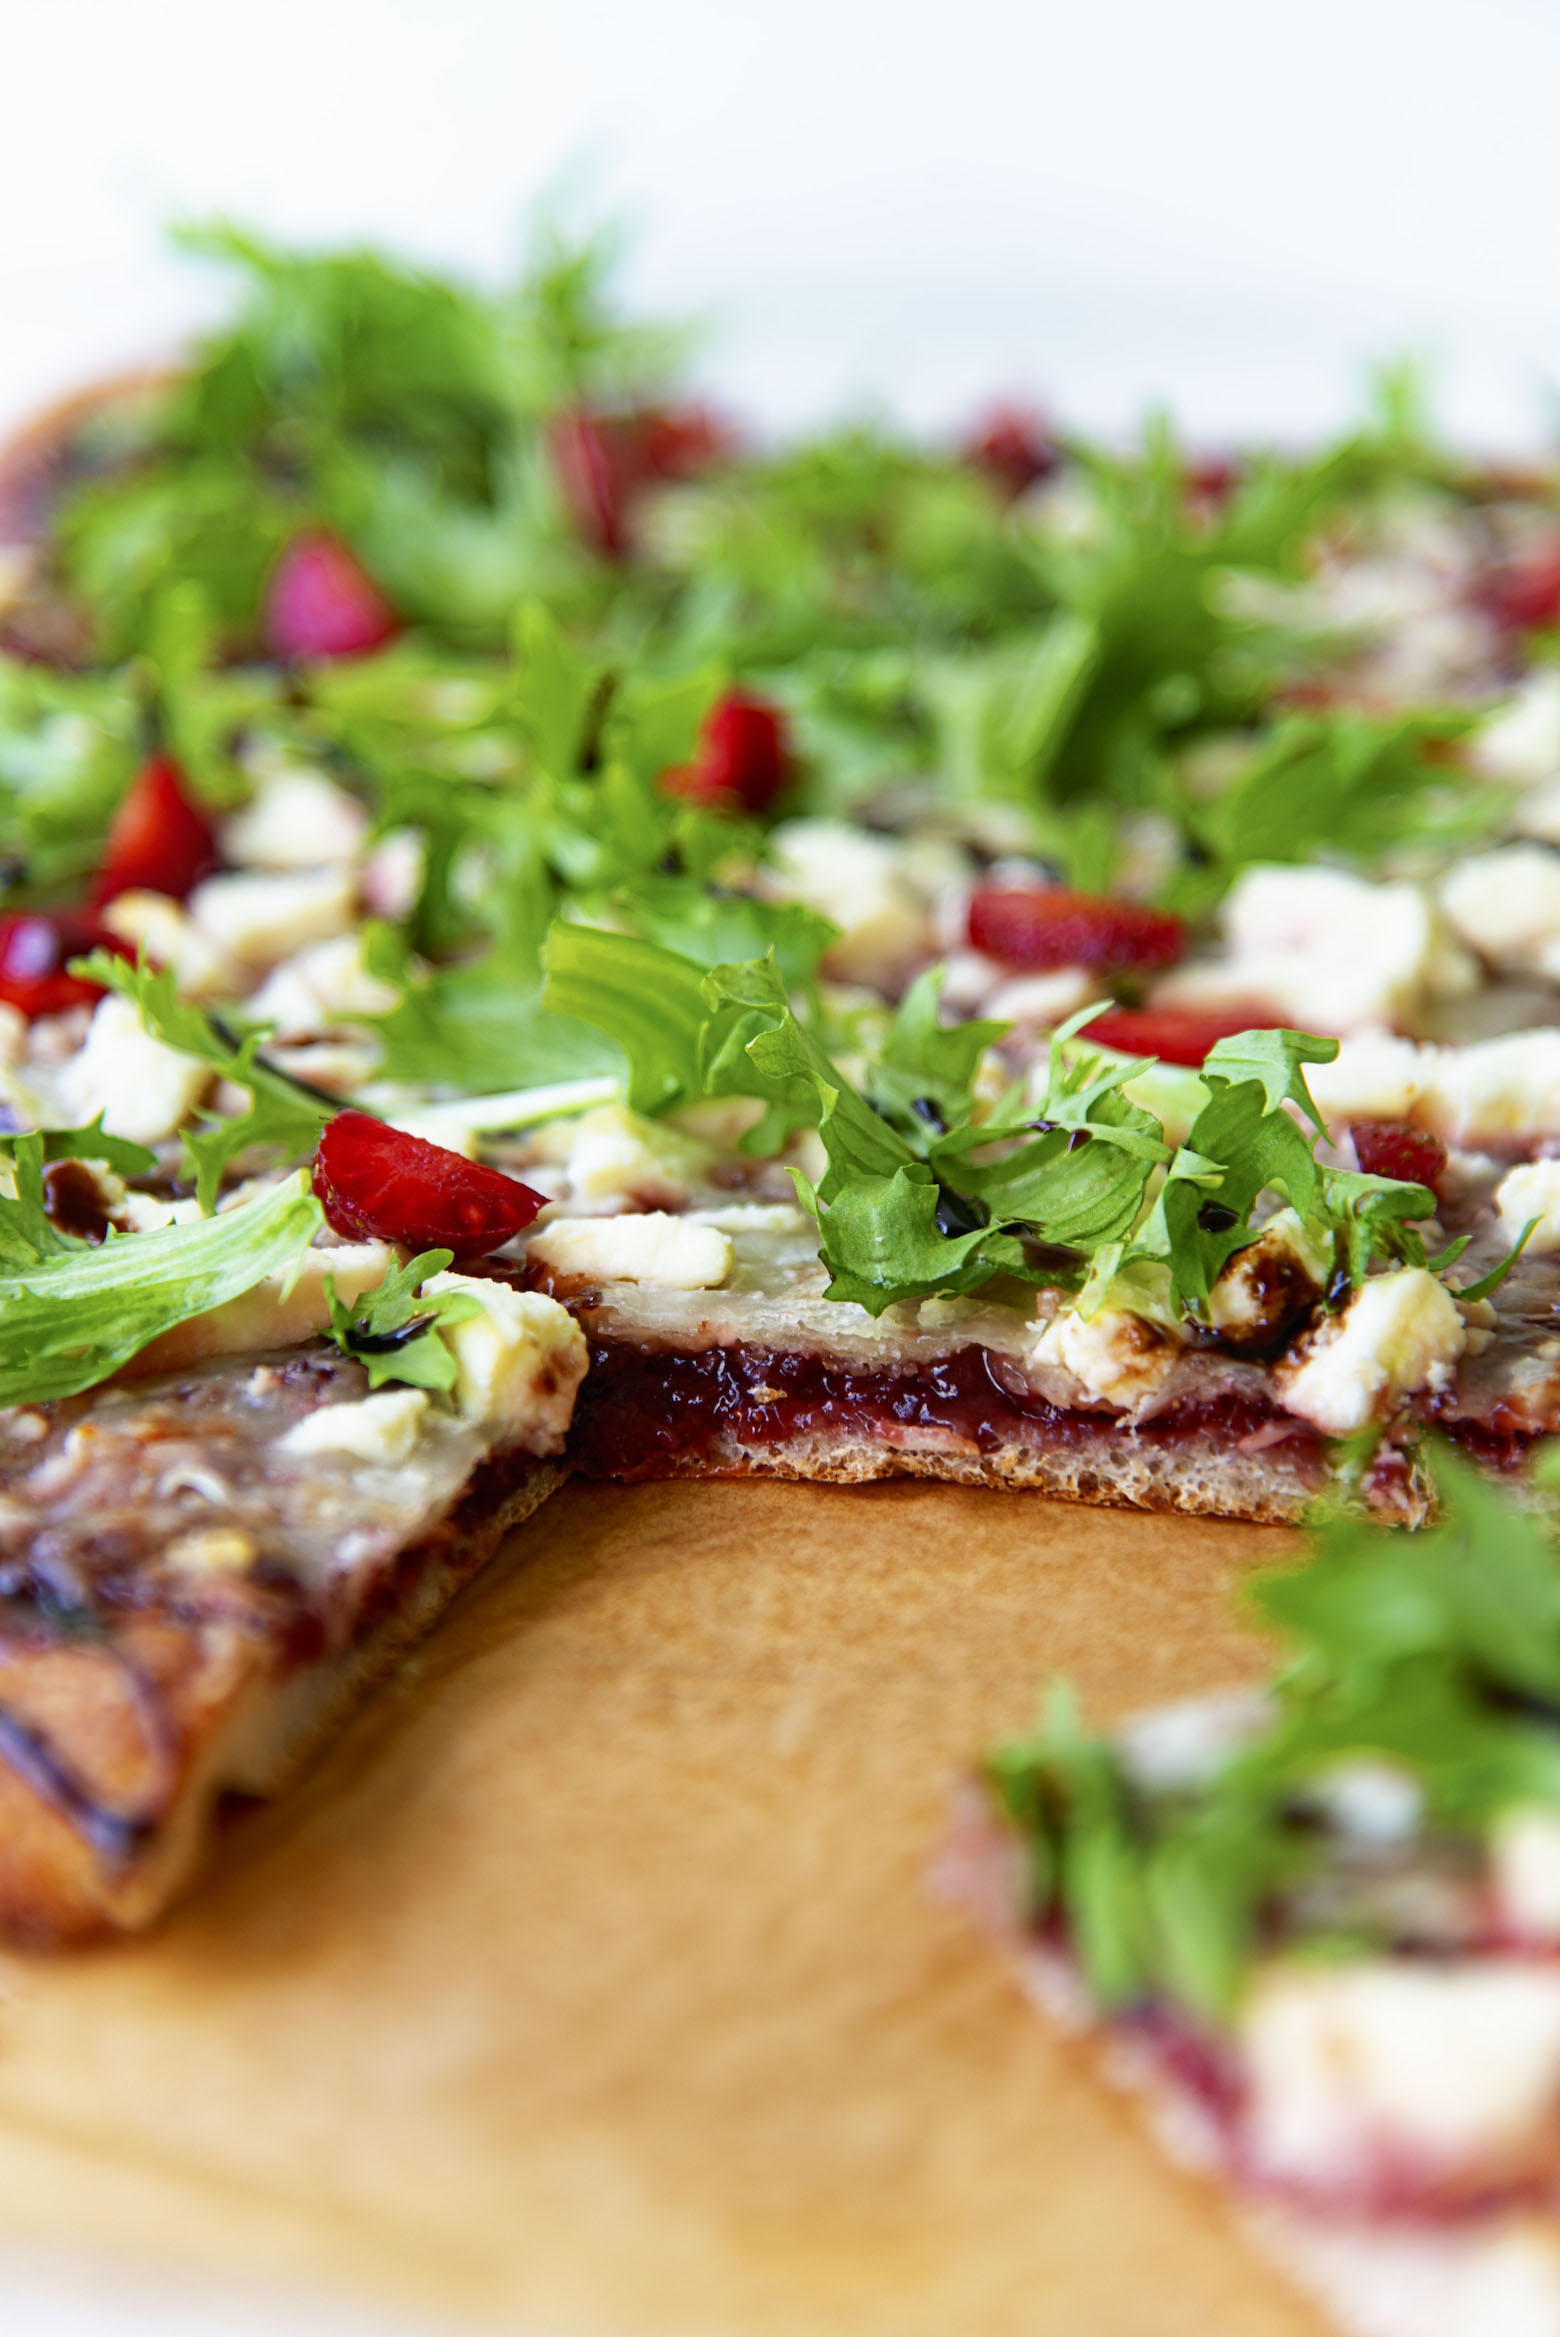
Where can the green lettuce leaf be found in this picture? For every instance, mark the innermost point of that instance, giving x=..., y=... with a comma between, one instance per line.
x=71, y=1313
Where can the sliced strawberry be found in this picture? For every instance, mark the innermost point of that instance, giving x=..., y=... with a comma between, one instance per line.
x=36, y=946
x=160, y=840
x=321, y=603
x=599, y=465
x=1042, y=927
x=1524, y=596
x=741, y=757
x=1173, y=1037
x=376, y=1182
x=1013, y=447
x=604, y=462
x=679, y=442
x=1390, y=1148
x=1211, y=480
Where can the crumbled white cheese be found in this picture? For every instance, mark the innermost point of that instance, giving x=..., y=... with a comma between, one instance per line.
x=1533, y=1190
x=1525, y=1872
x=1042, y=999
x=296, y=818
x=262, y=916
x=1328, y=951
x=170, y=937
x=1521, y=739
x=1444, y=2067
x=1488, y=1093
x=144, y=1090
x=1118, y=1357
x=1267, y=1284
x=1506, y=905
x=382, y=1427
x=519, y=1363
x=1400, y=1332
x=1373, y=1077
x=859, y=881
x=1373, y=1801
x=615, y=1159
x=318, y=987
x=145, y=1213
x=669, y=1253
x=1181, y=1747
x=212, y=1550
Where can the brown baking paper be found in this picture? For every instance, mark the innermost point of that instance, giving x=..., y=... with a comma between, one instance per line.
x=590, y=1984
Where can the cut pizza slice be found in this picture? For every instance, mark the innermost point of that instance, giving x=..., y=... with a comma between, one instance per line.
x=1316, y=1932
x=968, y=1257
x=244, y=1462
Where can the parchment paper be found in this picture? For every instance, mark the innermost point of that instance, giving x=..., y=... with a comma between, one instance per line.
x=590, y=1988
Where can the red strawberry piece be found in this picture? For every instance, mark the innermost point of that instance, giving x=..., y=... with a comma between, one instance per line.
x=599, y=462
x=377, y=1183
x=36, y=946
x=1041, y=927
x=321, y=603
x=160, y=840
x=678, y=442
x=741, y=757
x=1173, y=1037
x=1013, y=447
x=1212, y=479
x=1390, y=1148
x=1524, y=596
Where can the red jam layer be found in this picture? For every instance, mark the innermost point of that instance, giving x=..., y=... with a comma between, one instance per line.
x=649, y=1411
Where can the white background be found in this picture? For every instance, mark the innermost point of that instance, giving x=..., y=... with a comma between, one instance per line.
x=1225, y=202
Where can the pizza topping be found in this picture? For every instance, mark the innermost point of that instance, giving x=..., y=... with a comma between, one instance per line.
x=1529, y=1197
x=372, y=1179
x=322, y=604
x=36, y=948
x=1390, y=1148
x=667, y=1252
x=260, y=916
x=160, y=840
x=1013, y=447
x=1399, y=1333
x=741, y=756
x=1173, y=1037
x=519, y=1360
x=73, y=1312
x=296, y=818
x=139, y=1087
x=1041, y=927
x=382, y=1429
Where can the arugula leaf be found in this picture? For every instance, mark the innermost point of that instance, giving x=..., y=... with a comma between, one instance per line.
x=72, y=1313
x=280, y=1111
x=395, y=1331
x=90, y=1143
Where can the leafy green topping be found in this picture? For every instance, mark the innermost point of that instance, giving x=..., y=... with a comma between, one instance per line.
x=71, y=1313
x=281, y=1113
x=924, y=1193
x=1436, y=1653
x=90, y=1143
x=396, y=1330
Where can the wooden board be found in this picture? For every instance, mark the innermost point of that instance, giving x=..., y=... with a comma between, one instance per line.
x=590, y=1987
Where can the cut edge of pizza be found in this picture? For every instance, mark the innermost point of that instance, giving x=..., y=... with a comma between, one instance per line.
x=1314, y=1932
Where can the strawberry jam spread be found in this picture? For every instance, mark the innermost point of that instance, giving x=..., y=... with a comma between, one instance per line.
x=650, y=1412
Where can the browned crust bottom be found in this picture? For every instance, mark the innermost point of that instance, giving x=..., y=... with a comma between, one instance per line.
x=97, y=1832
x=1110, y=1470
